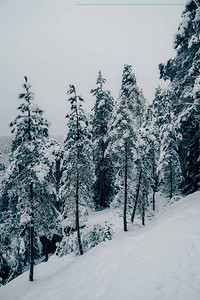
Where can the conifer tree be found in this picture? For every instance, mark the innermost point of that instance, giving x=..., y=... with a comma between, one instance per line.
x=122, y=135
x=27, y=182
x=104, y=184
x=77, y=167
x=127, y=119
x=133, y=97
x=145, y=161
x=152, y=131
x=159, y=106
x=183, y=72
x=52, y=152
x=169, y=166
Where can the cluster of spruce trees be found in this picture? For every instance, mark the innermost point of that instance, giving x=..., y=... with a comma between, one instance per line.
x=118, y=157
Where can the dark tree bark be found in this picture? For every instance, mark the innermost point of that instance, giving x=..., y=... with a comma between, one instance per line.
x=77, y=213
x=125, y=185
x=45, y=250
x=154, y=201
x=102, y=186
x=143, y=214
x=154, y=183
x=171, y=180
x=31, y=203
x=77, y=181
x=31, y=236
x=196, y=158
x=171, y=167
x=137, y=196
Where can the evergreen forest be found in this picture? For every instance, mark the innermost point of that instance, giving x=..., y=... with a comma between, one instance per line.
x=116, y=157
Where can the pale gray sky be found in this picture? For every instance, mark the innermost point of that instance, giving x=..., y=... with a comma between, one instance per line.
x=58, y=42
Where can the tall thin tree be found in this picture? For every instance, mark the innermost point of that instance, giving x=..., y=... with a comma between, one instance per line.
x=28, y=184
x=77, y=166
x=104, y=183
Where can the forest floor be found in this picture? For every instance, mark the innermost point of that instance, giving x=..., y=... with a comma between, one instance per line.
x=157, y=262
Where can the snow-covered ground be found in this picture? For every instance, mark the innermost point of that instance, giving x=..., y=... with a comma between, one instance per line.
x=157, y=262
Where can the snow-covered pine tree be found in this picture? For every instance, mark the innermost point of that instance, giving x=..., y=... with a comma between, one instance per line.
x=77, y=167
x=52, y=152
x=169, y=170
x=183, y=72
x=127, y=119
x=145, y=160
x=154, y=141
x=104, y=184
x=122, y=135
x=154, y=119
x=159, y=111
x=130, y=92
x=27, y=199
x=143, y=202
x=159, y=107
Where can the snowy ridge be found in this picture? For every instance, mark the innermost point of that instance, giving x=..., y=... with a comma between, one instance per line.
x=160, y=261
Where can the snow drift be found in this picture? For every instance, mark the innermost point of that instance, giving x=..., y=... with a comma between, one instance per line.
x=160, y=261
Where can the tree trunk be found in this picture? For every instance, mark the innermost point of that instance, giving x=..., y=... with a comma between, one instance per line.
x=154, y=183
x=77, y=214
x=102, y=192
x=170, y=162
x=31, y=236
x=171, y=180
x=45, y=251
x=125, y=186
x=137, y=196
x=19, y=268
x=31, y=204
x=77, y=183
x=143, y=214
x=154, y=201
x=196, y=158
x=171, y=167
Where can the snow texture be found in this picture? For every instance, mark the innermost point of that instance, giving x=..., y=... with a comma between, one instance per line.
x=159, y=261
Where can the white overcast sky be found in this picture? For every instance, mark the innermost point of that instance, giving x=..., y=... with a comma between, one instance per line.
x=58, y=42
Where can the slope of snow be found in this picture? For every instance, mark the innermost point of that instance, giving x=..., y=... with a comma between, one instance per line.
x=158, y=262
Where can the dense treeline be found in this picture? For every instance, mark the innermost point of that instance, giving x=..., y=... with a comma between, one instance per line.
x=118, y=157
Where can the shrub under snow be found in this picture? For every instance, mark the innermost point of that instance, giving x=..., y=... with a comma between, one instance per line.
x=90, y=236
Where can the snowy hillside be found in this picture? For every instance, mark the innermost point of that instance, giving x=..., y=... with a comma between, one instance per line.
x=159, y=261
